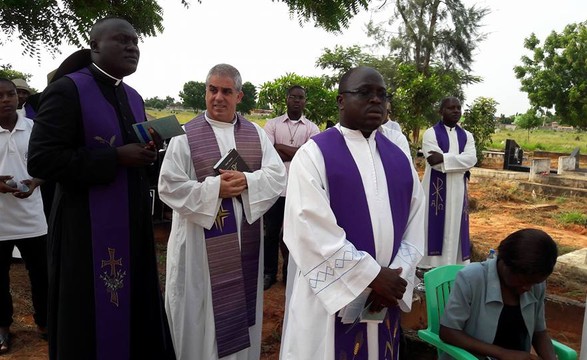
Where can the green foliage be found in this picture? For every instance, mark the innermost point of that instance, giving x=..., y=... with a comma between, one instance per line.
x=414, y=94
x=193, y=95
x=577, y=218
x=555, y=75
x=51, y=23
x=528, y=121
x=480, y=121
x=548, y=140
x=7, y=72
x=332, y=15
x=320, y=102
x=341, y=59
x=432, y=32
x=249, y=101
x=157, y=103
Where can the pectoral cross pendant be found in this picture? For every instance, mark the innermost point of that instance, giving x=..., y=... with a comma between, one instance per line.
x=291, y=141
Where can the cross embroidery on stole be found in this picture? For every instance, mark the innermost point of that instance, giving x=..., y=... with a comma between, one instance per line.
x=114, y=280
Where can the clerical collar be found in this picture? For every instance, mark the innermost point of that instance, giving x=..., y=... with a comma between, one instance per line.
x=218, y=121
x=117, y=81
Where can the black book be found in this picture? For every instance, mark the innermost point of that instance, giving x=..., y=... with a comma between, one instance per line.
x=231, y=161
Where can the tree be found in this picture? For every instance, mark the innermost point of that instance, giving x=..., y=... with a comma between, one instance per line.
x=249, y=100
x=7, y=72
x=194, y=95
x=414, y=94
x=51, y=23
x=160, y=104
x=432, y=31
x=433, y=40
x=479, y=119
x=320, y=103
x=528, y=120
x=556, y=76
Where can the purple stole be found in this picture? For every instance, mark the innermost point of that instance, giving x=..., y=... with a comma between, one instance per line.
x=437, y=198
x=233, y=267
x=109, y=217
x=29, y=111
x=349, y=204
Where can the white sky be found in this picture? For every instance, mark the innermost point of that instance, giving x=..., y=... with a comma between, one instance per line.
x=260, y=39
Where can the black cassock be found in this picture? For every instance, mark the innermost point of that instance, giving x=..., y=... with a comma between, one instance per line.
x=57, y=152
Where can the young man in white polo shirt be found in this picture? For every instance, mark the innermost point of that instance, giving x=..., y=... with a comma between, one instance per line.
x=23, y=222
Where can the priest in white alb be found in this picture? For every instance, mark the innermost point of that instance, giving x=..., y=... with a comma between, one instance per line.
x=213, y=293
x=354, y=227
x=450, y=154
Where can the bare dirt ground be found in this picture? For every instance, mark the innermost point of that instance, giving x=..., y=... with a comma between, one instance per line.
x=497, y=209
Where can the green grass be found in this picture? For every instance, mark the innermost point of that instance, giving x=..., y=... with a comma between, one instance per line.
x=573, y=218
x=185, y=116
x=546, y=140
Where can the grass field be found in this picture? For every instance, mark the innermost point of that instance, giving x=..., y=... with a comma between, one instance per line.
x=546, y=140
x=185, y=116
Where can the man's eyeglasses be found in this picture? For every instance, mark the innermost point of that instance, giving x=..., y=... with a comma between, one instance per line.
x=367, y=94
x=296, y=97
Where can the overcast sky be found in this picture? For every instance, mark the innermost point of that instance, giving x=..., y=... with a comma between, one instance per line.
x=260, y=39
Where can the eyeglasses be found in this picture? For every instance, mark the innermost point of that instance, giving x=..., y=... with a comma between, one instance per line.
x=368, y=94
x=296, y=97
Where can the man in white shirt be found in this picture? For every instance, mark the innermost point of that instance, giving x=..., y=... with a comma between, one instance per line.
x=213, y=293
x=23, y=223
x=353, y=227
x=287, y=133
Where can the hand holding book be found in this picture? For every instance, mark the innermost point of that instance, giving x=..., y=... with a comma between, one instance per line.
x=231, y=161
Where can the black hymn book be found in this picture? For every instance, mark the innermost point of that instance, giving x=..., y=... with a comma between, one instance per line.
x=231, y=161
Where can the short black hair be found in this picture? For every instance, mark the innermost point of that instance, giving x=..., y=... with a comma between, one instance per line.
x=528, y=252
x=292, y=88
x=447, y=99
x=5, y=80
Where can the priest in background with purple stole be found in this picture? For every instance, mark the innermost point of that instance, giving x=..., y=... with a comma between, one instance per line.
x=354, y=226
x=214, y=278
x=450, y=154
x=105, y=301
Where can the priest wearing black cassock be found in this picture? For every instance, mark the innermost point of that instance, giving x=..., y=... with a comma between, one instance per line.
x=104, y=295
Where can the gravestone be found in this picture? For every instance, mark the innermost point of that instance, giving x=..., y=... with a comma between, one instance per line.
x=566, y=164
x=576, y=153
x=513, y=157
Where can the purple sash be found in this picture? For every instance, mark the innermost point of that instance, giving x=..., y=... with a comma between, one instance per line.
x=437, y=198
x=29, y=111
x=233, y=267
x=349, y=204
x=109, y=216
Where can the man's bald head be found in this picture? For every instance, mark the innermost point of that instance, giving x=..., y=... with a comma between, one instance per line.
x=114, y=46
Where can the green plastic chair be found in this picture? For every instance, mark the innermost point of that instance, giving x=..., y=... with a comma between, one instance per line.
x=438, y=283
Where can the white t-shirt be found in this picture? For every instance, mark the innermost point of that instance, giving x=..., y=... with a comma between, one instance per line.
x=21, y=218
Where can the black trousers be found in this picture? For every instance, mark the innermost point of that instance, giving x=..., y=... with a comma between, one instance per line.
x=273, y=220
x=34, y=255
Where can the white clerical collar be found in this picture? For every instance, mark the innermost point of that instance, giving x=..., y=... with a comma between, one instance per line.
x=118, y=81
x=218, y=122
x=350, y=133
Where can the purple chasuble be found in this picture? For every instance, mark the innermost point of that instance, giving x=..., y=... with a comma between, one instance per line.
x=233, y=268
x=109, y=217
x=349, y=204
x=437, y=199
